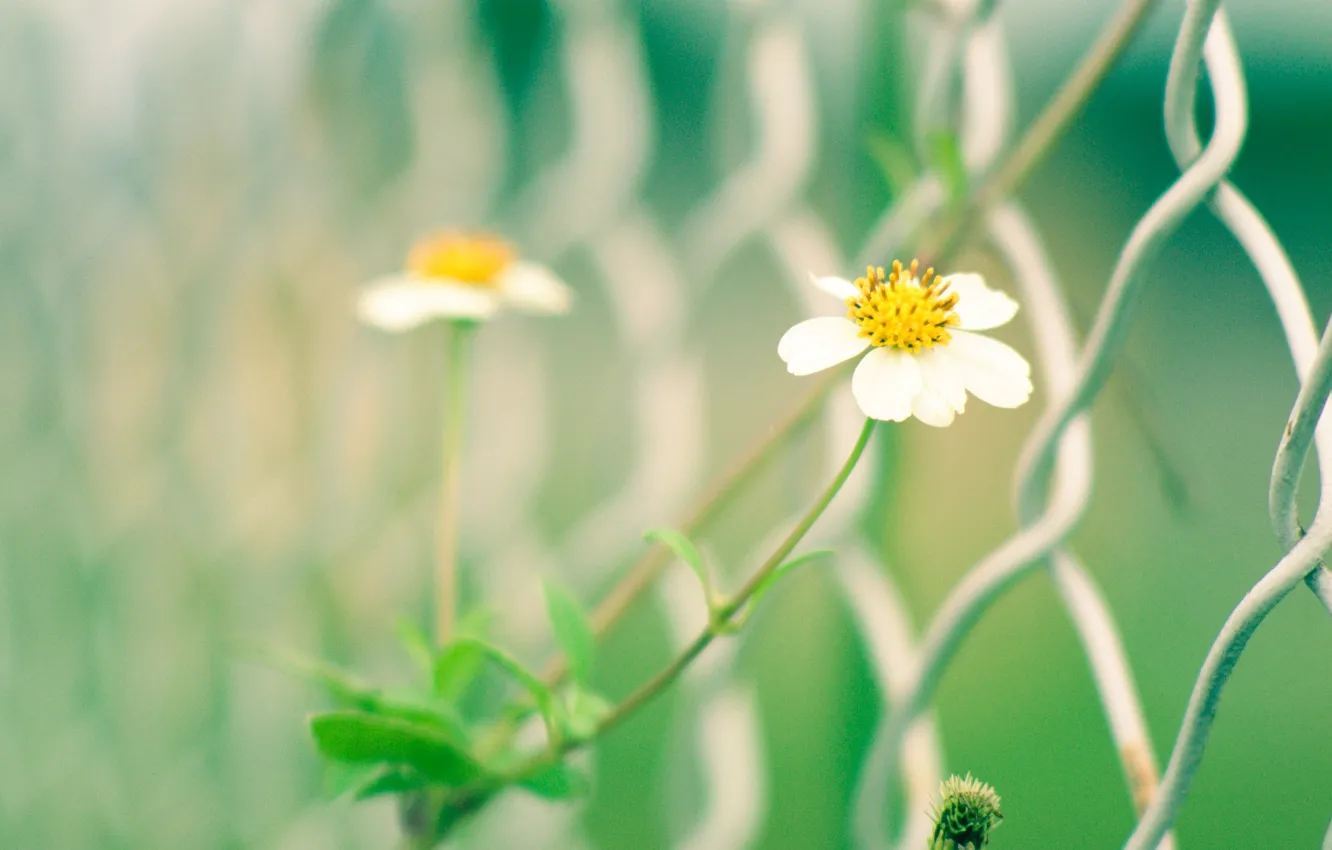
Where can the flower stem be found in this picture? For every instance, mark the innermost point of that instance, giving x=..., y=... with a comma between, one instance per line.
x=455, y=410
x=723, y=616
x=473, y=798
x=646, y=569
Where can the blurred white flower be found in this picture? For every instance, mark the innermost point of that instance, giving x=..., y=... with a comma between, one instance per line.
x=924, y=358
x=460, y=276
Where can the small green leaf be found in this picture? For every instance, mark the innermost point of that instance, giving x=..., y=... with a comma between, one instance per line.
x=418, y=647
x=392, y=781
x=572, y=630
x=341, y=686
x=458, y=665
x=341, y=779
x=420, y=708
x=559, y=782
x=541, y=695
x=477, y=622
x=586, y=711
x=456, y=668
x=894, y=159
x=349, y=691
x=360, y=738
x=771, y=581
x=686, y=551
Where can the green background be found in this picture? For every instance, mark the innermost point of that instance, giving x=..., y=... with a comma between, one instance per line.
x=199, y=448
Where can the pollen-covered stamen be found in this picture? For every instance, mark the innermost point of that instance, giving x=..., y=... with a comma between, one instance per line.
x=902, y=311
x=446, y=257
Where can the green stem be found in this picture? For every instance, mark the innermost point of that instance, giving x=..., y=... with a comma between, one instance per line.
x=471, y=799
x=455, y=415
x=723, y=615
x=645, y=571
x=641, y=575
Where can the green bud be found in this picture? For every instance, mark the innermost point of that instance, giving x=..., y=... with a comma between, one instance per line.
x=968, y=811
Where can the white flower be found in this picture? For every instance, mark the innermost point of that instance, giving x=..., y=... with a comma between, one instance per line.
x=924, y=356
x=459, y=276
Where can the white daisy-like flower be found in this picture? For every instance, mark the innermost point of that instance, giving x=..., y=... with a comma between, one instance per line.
x=462, y=277
x=924, y=355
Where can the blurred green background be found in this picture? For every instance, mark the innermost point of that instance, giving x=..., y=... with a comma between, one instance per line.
x=199, y=447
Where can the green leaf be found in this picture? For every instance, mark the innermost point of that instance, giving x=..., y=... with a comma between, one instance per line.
x=477, y=622
x=349, y=691
x=771, y=581
x=686, y=551
x=357, y=737
x=541, y=695
x=572, y=630
x=894, y=159
x=586, y=710
x=420, y=708
x=392, y=781
x=458, y=665
x=418, y=647
x=559, y=782
x=341, y=686
x=341, y=779
x=456, y=668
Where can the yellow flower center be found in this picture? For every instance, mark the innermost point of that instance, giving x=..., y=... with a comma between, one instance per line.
x=475, y=259
x=899, y=311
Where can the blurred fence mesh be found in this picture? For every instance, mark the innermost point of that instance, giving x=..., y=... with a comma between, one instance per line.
x=201, y=447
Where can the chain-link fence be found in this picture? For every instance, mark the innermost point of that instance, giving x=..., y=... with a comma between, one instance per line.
x=201, y=450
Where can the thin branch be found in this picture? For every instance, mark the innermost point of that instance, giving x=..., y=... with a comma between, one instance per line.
x=1045, y=132
x=723, y=616
x=641, y=575
x=1106, y=338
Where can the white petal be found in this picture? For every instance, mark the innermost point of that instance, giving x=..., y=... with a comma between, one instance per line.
x=535, y=288
x=991, y=371
x=886, y=383
x=838, y=287
x=940, y=377
x=978, y=306
x=815, y=344
x=402, y=302
x=929, y=407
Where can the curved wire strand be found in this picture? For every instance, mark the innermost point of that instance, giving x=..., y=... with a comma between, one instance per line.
x=1018, y=555
x=1012, y=231
x=1241, y=624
